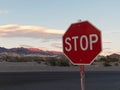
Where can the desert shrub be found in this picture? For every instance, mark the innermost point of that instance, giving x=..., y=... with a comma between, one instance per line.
x=63, y=62
x=54, y=61
x=107, y=64
x=51, y=62
x=104, y=60
x=116, y=64
x=38, y=61
x=114, y=60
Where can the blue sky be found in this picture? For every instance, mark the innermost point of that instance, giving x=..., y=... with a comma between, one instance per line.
x=41, y=23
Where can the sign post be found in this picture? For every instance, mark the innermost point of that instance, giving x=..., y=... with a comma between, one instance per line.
x=82, y=77
x=81, y=44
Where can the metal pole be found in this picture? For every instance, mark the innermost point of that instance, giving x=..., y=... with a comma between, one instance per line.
x=82, y=76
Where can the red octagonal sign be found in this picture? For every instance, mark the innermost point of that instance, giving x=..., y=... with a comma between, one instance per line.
x=82, y=43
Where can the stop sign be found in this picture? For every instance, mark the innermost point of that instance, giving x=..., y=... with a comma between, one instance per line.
x=82, y=43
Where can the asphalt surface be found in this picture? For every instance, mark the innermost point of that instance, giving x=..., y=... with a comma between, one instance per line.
x=59, y=80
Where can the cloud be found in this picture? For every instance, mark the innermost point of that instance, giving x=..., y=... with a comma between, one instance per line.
x=14, y=30
x=3, y=11
x=107, y=42
x=26, y=46
x=57, y=45
x=115, y=31
x=108, y=51
x=112, y=31
x=106, y=48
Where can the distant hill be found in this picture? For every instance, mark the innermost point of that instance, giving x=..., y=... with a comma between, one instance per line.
x=2, y=49
x=115, y=56
x=22, y=50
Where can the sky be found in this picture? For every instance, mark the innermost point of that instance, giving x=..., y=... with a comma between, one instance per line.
x=42, y=23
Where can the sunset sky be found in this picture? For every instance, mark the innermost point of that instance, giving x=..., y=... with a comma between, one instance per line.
x=41, y=23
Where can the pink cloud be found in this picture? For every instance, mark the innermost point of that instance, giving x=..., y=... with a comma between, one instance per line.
x=14, y=30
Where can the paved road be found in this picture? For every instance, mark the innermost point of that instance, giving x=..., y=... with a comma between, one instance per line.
x=59, y=81
x=103, y=80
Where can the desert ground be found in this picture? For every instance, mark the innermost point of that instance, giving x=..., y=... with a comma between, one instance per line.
x=35, y=67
